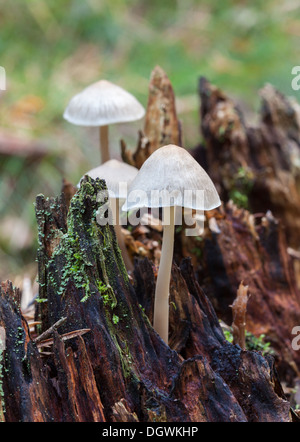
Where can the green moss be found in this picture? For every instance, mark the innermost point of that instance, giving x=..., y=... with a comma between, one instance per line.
x=71, y=249
x=41, y=300
x=197, y=252
x=252, y=342
x=173, y=305
x=240, y=199
x=2, y=407
x=242, y=185
x=85, y=251
x=228, y=335
x=258, y=343
x=115, y=319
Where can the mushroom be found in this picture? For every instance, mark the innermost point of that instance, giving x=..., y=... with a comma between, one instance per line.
x=100, y=104
x=169, y=171
x=118, y=176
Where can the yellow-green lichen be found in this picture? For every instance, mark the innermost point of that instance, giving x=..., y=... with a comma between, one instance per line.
x=88, y=255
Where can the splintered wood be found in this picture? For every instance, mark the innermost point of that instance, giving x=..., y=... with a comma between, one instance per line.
x=106, y=362
x=161, y=127
x=257, y=166
x=239, y=308
x=120, y=370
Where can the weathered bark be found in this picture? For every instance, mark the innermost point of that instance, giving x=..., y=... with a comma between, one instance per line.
x=27, y=394
x=212, y=385
x=121, y=369
x=161, y=123
x=194, y=326
x=259, y=166
x=69, y=190
x=239, y=308
x=251, y=249
x=237, y=368
x=195, y=330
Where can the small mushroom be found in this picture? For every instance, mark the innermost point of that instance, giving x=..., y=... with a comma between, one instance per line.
x=170, y=170
x=101, y=104
x=116, y=174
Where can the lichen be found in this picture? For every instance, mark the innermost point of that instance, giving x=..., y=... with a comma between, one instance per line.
x=88, y=255
x=2, y=402
x=241, y=186
x=71, y=250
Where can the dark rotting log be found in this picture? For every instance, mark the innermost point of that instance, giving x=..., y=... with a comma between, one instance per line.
x=253, y=250
x=257, y=166
x=222, y=401
x=121, y=369
x=237, y=367
x=161, y=126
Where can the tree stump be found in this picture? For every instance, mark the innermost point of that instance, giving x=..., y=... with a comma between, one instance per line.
x=120, y=369
x=161, y=123
x=258, y=167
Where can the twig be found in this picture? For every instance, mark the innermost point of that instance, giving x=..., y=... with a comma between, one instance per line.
x=50, y=330
x=70, y=335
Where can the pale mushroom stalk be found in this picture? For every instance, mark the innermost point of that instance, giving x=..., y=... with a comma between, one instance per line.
x=104, y=144
x=120, y=237
x=170, y=178
x=161, y=303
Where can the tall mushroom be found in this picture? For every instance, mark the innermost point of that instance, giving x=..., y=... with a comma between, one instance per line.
x=170, y=170
x=100, y=104
x=116, y=174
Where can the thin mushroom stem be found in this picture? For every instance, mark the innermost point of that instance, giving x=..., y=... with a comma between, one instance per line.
x=104, y=148
x=161, y=302
x=120, y=238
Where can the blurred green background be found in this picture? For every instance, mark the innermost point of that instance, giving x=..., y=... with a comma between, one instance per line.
x=52, y=49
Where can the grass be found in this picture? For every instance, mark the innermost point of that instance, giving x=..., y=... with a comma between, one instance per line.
x=51, y=50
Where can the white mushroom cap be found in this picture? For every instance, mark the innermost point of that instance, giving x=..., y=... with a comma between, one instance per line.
x=114, y=172
x=101, y=104
x=171, y=169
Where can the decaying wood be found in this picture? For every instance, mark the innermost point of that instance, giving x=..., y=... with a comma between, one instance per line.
x=161, y=123
x=236, y=366
x=162, y=110
x=258, y=167
x=65, y=337
x=69, y=190
x=239, y=308
x=194, y=326
x=121, y=369
x=258, y=164
x=50, y=331
x=141, y=153
x=120, y=413
x=251, y=249
x=194, y=331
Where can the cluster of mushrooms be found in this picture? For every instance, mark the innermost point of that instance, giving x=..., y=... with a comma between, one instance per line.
x=169, y=169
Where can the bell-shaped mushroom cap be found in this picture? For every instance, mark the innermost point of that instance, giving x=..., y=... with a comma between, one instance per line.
x=114, y=172
x=101, y=104
x=172, y=170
